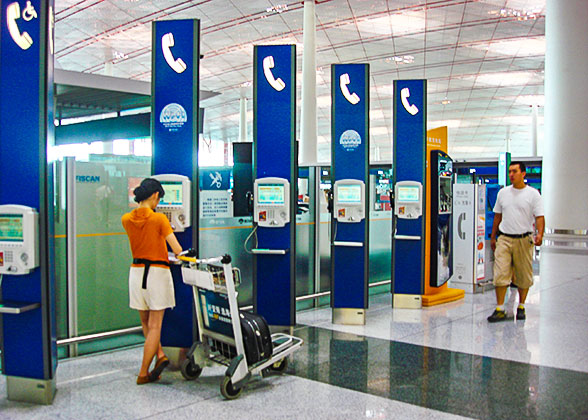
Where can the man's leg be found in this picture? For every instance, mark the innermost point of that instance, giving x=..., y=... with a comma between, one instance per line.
x=523, y=268
x=502, y=276
x=500, y=294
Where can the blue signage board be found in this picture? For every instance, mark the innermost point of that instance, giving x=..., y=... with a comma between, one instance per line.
x=215, y=179
x=27, y=129
x=349, y=160
x=174, y=127
x=410, y=136
x=274, y=132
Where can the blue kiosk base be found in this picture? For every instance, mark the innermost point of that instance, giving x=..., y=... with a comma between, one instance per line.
x=30, y=390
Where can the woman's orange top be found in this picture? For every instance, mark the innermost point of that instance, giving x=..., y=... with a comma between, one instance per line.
x=147, y=231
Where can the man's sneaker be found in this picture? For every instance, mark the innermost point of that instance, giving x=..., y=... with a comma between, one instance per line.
x=521, y=314
x=497, y=316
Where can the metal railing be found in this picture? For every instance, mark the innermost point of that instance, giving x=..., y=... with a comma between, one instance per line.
x=135, y=330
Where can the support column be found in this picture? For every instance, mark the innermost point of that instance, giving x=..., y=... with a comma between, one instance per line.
x=242, y=118
x=565, y=173
x=534, y=130
x=308, y=121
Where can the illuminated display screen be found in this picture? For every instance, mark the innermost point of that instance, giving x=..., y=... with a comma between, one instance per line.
x=408, y=194
x=11, y=228
x=445, y=166
x=349, y=194
x=270, y=194
x=173, y=194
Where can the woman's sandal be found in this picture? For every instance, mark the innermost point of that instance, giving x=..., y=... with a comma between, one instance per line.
x=142, y=380
x=159, y=366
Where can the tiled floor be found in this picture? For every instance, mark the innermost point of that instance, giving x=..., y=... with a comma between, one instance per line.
x=444, y=362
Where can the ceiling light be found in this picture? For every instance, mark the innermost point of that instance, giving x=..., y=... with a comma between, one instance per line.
x=538, y=100
x=400, y=59
x=277, y=9
x=520, y=78
x=445, y=101
x=516, y=47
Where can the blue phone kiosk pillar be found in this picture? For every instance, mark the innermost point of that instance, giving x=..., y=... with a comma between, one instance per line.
x=27, y=297
x=349, y=176
x=275, y=172
x=408, y=238
x=174, y=128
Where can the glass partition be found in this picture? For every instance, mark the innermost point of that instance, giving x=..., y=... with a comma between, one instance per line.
x=220, y=231
x=324, y=232
x=103, y=193
x=305, y=232
x=92, y=192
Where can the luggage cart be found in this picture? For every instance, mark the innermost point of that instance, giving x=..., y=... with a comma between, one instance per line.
x=221, y=341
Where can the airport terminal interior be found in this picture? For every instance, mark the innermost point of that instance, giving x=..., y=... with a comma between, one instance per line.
x=401, y=354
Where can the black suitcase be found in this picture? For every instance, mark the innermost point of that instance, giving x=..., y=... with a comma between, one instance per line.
x=257, y=339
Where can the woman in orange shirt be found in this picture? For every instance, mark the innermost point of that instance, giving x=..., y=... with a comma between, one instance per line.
x=151, y=289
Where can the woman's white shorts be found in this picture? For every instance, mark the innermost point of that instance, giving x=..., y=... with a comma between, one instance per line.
x=159, y=293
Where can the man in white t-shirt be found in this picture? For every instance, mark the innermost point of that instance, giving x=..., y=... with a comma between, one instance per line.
x=517, y=207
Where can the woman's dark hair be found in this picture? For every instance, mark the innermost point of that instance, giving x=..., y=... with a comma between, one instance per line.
x=147, y=188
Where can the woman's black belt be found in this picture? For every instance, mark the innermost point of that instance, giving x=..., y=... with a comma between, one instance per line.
x=508, y=235
x=147, y=264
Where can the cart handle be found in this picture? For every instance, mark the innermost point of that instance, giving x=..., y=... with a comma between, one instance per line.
x=202, y=261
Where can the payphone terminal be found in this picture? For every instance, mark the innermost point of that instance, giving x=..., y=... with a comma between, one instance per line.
x=176, y=202
x=408, y=199
x=271, y=204
x=19, y=239
x=349, y=200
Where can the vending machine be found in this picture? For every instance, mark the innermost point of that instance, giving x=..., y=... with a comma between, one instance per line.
x=441, y=263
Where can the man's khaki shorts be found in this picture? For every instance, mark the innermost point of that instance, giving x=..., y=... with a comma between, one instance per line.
x=514, y=254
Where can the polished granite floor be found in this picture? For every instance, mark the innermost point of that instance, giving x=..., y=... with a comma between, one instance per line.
x=444, y=362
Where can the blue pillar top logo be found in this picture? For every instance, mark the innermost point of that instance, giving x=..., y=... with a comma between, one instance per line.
x=268, y=64
x=13, y=14
x=173, y=116
x=344, y=80
x=178, y=65
x=404, y=95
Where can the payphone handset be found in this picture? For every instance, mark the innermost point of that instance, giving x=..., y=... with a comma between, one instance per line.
x=408, y=199
x=349, y=200
x=19, y=239
x=176, y=202
x=271, y=204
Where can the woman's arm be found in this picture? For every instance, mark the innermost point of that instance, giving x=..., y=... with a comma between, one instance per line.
x=173, y=243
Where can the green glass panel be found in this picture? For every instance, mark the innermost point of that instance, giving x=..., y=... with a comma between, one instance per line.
x=103, y=194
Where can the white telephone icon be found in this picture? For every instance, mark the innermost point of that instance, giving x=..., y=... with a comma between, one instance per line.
x=268, y=64
x=24, y=40
x=344, y=80
x=404, y=95
x=167, y=41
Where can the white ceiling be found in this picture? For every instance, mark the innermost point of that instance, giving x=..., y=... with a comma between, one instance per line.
x=485, y=57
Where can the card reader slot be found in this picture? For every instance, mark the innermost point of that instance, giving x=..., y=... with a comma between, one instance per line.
x=261, y=251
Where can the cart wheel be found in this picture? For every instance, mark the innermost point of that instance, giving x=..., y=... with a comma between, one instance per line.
x=280, y=366
x=190, y=370
x=227, y=389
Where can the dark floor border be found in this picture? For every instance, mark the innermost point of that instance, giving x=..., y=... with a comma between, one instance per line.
x=452, y=382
